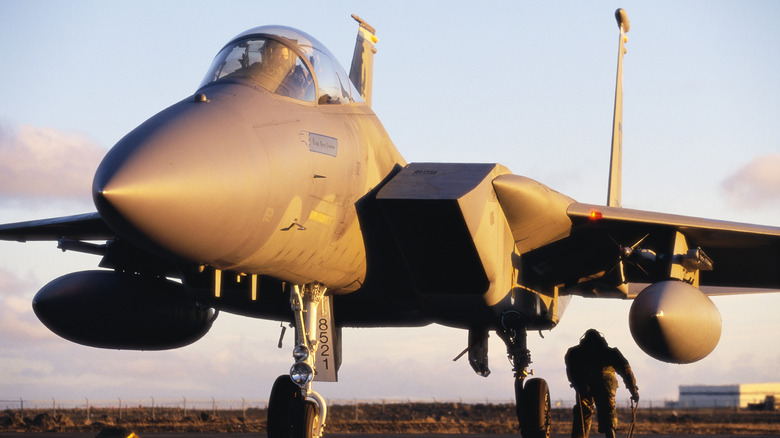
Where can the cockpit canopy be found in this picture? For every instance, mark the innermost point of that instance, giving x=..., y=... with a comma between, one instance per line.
x=284, y=61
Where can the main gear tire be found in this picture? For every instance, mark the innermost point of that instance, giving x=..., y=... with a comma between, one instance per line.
x=535, y=413
x=519, y=400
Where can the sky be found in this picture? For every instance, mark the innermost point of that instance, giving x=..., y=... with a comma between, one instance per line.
x=526, y=84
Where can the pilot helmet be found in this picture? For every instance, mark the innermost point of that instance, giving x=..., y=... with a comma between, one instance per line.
x=593, y=336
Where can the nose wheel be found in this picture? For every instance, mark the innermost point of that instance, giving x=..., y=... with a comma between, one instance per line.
x=295, y=410
x=290, y=414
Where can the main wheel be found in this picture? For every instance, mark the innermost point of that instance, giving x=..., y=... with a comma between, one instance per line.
x=519, y=400
x=285, y=397
x=535, y=415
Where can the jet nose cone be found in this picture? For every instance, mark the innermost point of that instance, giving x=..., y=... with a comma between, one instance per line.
x=174, y=182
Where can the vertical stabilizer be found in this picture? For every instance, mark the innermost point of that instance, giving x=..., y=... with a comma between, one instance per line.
x=614, y=193
x=362, y=71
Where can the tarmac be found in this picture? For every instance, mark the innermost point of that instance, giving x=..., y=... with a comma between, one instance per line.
x=335, y=435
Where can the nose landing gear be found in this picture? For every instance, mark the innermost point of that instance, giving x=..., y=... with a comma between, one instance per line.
x=290, y=414
x=295, y=410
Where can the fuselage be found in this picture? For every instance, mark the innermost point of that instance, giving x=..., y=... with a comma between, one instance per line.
x=244, y=179
x=276, y=169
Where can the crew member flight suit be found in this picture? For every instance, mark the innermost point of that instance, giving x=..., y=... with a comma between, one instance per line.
x=591, y=368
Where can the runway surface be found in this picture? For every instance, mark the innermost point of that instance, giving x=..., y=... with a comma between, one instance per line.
x=335, y=435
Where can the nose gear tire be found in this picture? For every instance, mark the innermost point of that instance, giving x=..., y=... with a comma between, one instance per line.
x=285, y=396
x=304, y=420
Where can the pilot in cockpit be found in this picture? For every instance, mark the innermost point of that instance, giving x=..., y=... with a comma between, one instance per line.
x=269, y=63
x=277, y=59
x=283, y=71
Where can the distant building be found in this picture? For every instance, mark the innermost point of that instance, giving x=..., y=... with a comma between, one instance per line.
x=726, y=396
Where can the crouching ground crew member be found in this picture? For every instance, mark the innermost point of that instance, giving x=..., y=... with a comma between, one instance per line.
x=591, y=368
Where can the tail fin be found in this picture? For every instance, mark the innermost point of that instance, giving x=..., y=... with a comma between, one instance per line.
x=614, y=193
x=362, y=71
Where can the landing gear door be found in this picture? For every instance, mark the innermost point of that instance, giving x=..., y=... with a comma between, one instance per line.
x=327, y=358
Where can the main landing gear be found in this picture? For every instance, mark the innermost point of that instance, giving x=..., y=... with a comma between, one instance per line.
x=295, y=410
x=533, y=398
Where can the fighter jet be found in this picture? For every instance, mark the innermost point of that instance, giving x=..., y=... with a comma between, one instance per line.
x=273, y=191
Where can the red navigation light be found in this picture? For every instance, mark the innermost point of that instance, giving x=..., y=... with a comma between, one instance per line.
x=595, y=215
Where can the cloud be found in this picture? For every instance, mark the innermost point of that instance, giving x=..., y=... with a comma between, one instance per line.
x=756, y=185
x=18, y=323
x=39, y=162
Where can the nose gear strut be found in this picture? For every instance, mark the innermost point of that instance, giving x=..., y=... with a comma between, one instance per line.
x=295, y=410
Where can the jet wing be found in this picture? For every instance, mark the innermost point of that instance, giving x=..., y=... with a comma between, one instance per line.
x=89, y=226
x=743, y=255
